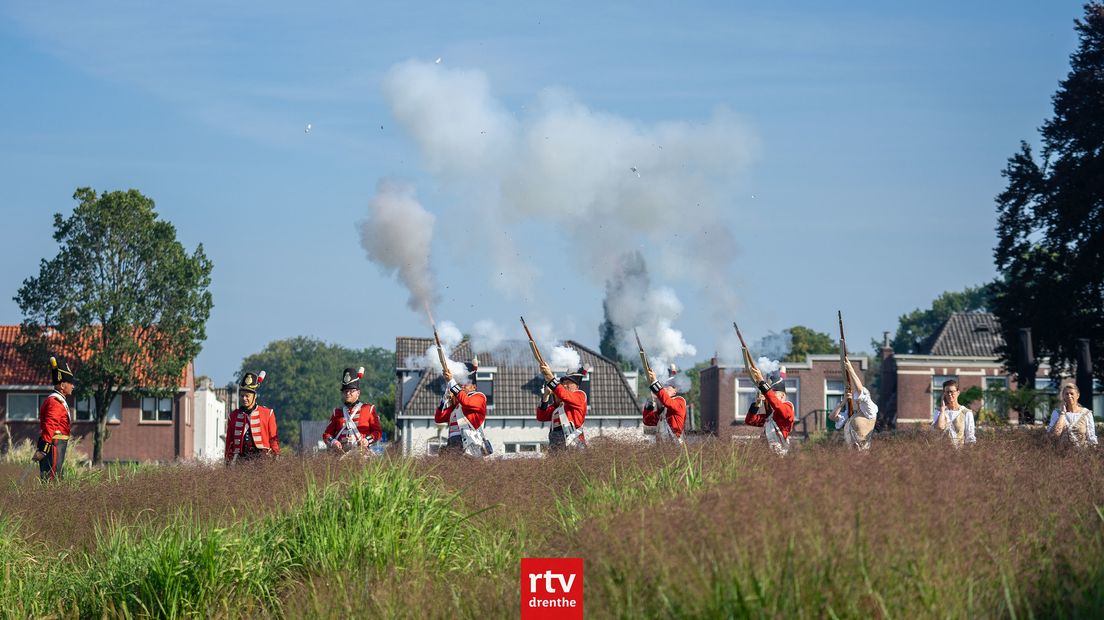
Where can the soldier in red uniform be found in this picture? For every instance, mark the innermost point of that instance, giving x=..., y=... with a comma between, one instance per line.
x=354, y=425
x=778, y=418
x=565, y=406
x=251, y=428
x=465, y=426
x=668, y=410
x=53, y=422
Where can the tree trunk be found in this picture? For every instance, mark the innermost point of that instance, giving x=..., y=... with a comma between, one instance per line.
x=101, y=428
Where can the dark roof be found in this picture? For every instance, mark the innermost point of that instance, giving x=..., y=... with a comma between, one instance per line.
x=517, y=380
x=968, y=334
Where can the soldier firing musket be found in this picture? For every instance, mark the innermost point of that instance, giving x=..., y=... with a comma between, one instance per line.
x=564, y=404
x=354, y=426
x=778, y=418
x=668, y=411
x=858, y=422
x=463, y=407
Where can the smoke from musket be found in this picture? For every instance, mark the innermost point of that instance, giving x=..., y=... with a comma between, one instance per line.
x=568, y=166
x=450, y=337
x=397, y=236
x=774, y=345
x=490, y=338
x=632, y=302
x=563, y=358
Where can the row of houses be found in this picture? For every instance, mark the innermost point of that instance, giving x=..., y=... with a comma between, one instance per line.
x=191, y=423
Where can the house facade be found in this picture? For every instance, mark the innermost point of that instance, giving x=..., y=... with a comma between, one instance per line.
x=210, y=423
x=815, y=386
x=138, y=429
x=512, y=382
x=965, y=349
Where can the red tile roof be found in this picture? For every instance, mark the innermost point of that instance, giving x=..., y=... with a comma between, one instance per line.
x=15, y=369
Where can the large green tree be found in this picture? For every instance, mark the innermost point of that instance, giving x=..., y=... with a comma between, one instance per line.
x=916, y=329
x=303, y=381
x=1050, y=226
x=122, y=301
x=805, y=341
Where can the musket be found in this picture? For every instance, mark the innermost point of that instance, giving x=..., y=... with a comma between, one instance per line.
x=441, y=352
x=643, y=356
x=843, y=366
x=748, y=363
x=533, y=345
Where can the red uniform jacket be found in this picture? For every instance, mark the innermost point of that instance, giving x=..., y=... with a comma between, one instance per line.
x=259, y=426
x=472, y=404
x=574, y=404
x=363, y=415
x=53, y=417
x=782, y=411
x=676, y=412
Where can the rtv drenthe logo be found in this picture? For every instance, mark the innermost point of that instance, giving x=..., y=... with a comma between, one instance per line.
x=551, y=588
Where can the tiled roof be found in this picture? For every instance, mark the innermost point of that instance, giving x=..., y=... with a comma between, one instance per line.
x=968, y=334
x=15, y=369
x=517, y=380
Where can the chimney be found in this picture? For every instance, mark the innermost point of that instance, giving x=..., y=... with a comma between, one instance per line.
x=887, y=348
x=1025, y=373
x=1084, y=372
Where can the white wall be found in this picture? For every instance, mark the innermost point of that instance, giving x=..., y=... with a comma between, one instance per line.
x=417, y=432
x=210, y=426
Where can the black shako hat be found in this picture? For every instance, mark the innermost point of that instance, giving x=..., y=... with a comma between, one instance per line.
x=251, y=382
x=60, y=373
x=350, y=378
x=577, y=376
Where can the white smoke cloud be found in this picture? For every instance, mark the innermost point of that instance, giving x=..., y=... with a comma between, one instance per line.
x=569, y=166
x=450, y=336
x=563, y=358
x=774, y=345
x=397, y=236
x=768, y=366
x=633, y=303
x=681, y=382
x=487, y=336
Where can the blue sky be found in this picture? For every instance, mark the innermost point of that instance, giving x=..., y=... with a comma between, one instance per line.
x=880, y=133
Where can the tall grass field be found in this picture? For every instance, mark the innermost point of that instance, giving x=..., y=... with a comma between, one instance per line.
x=1012, y=527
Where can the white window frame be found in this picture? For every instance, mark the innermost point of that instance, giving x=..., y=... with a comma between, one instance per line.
x=114, y=412
x=745, y=386
x=41, y=396
x=159, y=413
x=937, y=389
x=482, y=376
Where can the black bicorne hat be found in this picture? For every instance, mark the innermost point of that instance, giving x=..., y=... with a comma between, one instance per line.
x=251, y=382
x=60, y=373
x=350, y=378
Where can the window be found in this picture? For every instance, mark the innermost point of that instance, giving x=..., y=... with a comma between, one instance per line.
x=937, y=389
x=485, y=382
x=25, y=406
x=87, y=406
x=531, y=448
x=996, y=383
x=157, y=410
x=585, y=387
x=746, y=393
x=833, y=396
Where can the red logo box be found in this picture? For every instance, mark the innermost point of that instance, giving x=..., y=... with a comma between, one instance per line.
x=551, y=588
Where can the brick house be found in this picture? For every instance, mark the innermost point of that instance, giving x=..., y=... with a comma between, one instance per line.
x=965, y=349
x=512, y=383
x=815, y=386
x=139, y=429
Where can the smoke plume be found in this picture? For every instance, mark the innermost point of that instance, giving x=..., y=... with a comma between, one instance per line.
x=632, y=302
x=450, y=337
x=606, y=183
x=397, y=236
